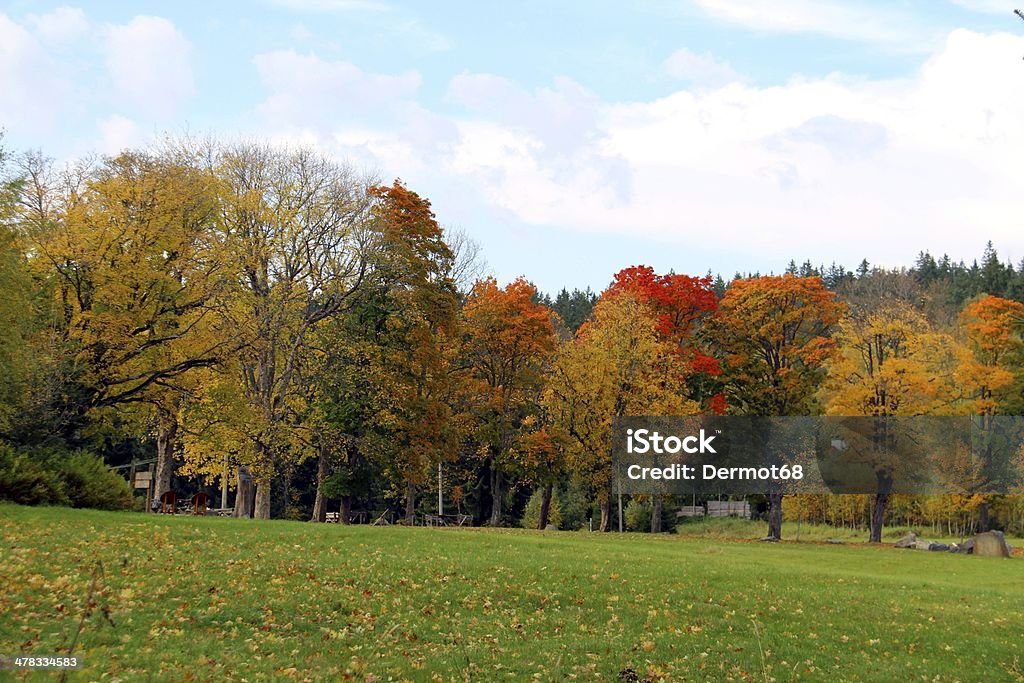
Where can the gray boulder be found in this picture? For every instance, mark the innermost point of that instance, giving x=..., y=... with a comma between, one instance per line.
x=991, y=544
x=907, y=541
x=922, y=545
x=938, y=547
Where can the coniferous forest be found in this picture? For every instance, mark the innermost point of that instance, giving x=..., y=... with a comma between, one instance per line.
x=224, y=312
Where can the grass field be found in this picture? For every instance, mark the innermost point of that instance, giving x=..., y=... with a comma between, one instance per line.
x=216, y=599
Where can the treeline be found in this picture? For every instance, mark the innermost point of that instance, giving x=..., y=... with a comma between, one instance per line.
x=238, y=310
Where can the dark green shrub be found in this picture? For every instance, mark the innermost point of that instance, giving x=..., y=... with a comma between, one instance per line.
x=56, y=477
x=90, y=484
x=25, y=480
x=638, y=515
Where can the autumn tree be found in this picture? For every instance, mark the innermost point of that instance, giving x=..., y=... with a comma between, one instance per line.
x=293, y=226
x=680, y=304
x=890, y=363
x=508, y=339
x=129, y=246
x=403, y=324
x=618, y=365
x=993, y=328
x=772, y=334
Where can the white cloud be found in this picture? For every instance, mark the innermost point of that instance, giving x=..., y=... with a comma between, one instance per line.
x=845, y=20
x=699, y=69
x=61, y=25
x=37, y=90
x=563, y=117
x=882, y=167
x=305, y=89
x=118, y=133
x=830, y=168
x=149, y=63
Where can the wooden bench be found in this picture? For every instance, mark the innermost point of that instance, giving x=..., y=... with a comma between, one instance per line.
x=168, y=502
x=200, y=502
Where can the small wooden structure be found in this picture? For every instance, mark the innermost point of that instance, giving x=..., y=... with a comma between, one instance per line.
x=168, y=502
x=383, y=520
x=729, y=508
x=200, y=502
x=691, y=511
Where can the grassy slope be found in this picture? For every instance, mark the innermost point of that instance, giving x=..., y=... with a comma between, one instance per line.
x=224, y=598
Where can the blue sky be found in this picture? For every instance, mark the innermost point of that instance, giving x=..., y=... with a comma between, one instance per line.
x=572, y=139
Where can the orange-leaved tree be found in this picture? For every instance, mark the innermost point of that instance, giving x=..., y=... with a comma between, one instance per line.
x=772, y=334
x=509, y=338
x=993, y=327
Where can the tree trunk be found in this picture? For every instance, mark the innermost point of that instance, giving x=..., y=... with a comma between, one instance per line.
x=606, y=514
x=497, y=481
x=410, y=503
x=244, y=496
x=983, y=520
x=167, y=431
x=656, y=515
x=775, y=515
x=878, y=506
x=878, y=516
x=322, y=471
x=345, y=515
x=545, y=507
x=262, y=510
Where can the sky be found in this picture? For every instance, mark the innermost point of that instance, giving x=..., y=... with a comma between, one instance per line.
x=574, y=139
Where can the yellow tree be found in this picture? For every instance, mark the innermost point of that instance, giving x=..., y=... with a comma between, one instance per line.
x=294, y=227
x=618, y=365
x=130, y=245
x=892, y=364
x=773, y=337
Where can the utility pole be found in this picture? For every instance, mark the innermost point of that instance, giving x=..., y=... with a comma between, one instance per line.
x=224, y=485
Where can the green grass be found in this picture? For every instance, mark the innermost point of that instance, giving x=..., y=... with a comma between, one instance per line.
x=219, y=599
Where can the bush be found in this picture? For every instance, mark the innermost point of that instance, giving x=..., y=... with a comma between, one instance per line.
x=576, y=506
x=24, y=480
x=531, y=515
x=91, y=484
x=55, y=477
x=638, y=515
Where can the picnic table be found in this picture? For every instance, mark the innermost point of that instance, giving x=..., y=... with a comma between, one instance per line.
x=446, y=520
